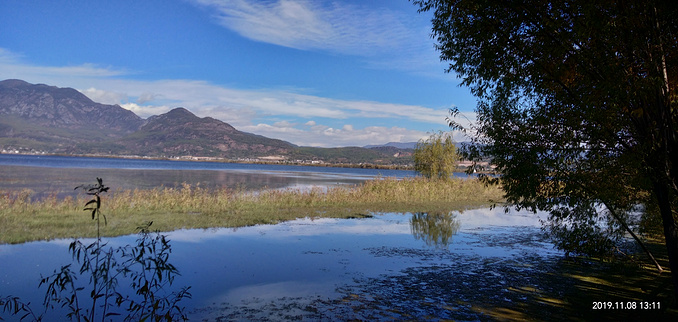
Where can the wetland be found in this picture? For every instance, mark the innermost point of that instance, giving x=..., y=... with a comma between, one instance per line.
x=365, y=253
x=385, y=266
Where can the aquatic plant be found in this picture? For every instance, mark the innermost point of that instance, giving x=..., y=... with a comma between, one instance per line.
x=145, y=266
x=193, y=206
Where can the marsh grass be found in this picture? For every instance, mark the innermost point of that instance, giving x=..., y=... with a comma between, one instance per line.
x=22, y=219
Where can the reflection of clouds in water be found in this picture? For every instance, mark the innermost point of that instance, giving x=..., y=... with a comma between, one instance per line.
x=61, y=182
x=255, y=267
x=312, y=175
x=273, y=291
x=108, y=241
x=379, y=225
x=386, y=224
x=499, y=217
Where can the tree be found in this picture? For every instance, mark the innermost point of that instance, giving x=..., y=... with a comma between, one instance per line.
x=577, y=106
x=436, y=156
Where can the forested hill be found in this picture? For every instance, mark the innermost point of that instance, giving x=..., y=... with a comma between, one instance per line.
x=38, y=118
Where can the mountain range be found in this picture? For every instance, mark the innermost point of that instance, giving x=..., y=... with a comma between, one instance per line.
x=40, y=118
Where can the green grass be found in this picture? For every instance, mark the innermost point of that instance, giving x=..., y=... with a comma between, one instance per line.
x=565, y=291
x=24, y=220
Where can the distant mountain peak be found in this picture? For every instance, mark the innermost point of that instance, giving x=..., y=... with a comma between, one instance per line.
x=53, y=107
x=8, y=83
x=39, y=118
x=180, y=111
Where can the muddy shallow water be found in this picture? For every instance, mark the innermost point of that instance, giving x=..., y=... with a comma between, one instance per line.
x=391, y=266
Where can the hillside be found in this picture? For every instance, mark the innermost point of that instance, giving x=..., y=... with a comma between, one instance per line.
x=180, y=132
x=48, y=119
x=58, y=119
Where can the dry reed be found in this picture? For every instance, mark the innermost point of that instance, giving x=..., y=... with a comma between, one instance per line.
x=22, y=219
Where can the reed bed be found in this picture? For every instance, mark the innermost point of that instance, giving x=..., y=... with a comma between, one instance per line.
x=22, y=219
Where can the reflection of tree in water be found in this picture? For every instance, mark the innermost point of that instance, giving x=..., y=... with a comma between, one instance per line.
x=434, y=228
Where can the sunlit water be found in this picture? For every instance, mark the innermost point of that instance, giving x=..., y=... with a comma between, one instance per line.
x=313, y=269
x=388, y=267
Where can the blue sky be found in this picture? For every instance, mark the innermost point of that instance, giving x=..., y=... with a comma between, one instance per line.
x=315, y=73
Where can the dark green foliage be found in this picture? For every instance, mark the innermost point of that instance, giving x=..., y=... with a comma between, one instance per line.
x=577, y=108
x=15, y=306
x=144, y=266
x=95, y=191
x=582, y=230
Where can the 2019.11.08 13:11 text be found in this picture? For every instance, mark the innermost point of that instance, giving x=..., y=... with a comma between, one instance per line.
x=630, y=305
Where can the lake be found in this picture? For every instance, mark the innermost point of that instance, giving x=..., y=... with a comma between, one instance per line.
x=58, y=175
x=390, y=266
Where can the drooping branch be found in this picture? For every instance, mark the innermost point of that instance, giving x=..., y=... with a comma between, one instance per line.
x=635, y=237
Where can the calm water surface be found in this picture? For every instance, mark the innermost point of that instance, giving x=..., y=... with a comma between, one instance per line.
x=388, y=267
x=313, y=269
x=58, y=175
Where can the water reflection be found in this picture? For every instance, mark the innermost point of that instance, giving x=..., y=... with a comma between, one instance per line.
x=434, y=228
x=236, y=273
x=44, y=181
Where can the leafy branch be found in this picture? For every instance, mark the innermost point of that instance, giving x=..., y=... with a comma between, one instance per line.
x=145, y=266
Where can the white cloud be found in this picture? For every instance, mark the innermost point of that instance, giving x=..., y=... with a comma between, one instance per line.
x=146, y=97
x=238, y=117
x=245, y=109
x=320, y=135
x=205, y=99
x=146, y=110
x=383, y=37
x=12, y=66
x=315, y=25
x=299, y=118
x=7, y=56
x=283, y=124
x=105, y=97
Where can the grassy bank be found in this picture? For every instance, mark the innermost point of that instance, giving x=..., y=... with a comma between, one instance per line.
x=193, y=207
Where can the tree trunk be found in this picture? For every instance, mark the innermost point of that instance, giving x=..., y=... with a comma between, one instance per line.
x=635, y=237
x=662, y=191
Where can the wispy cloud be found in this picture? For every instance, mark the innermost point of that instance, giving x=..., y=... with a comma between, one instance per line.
x=296, y=117
x=12, y=68
x=314, y=25
x=385, y=38
x=219, y=101
x=315, y=134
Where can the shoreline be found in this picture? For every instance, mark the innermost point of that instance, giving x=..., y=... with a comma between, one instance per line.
x=23, y=219
x=461, y=168
x=308, y=163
